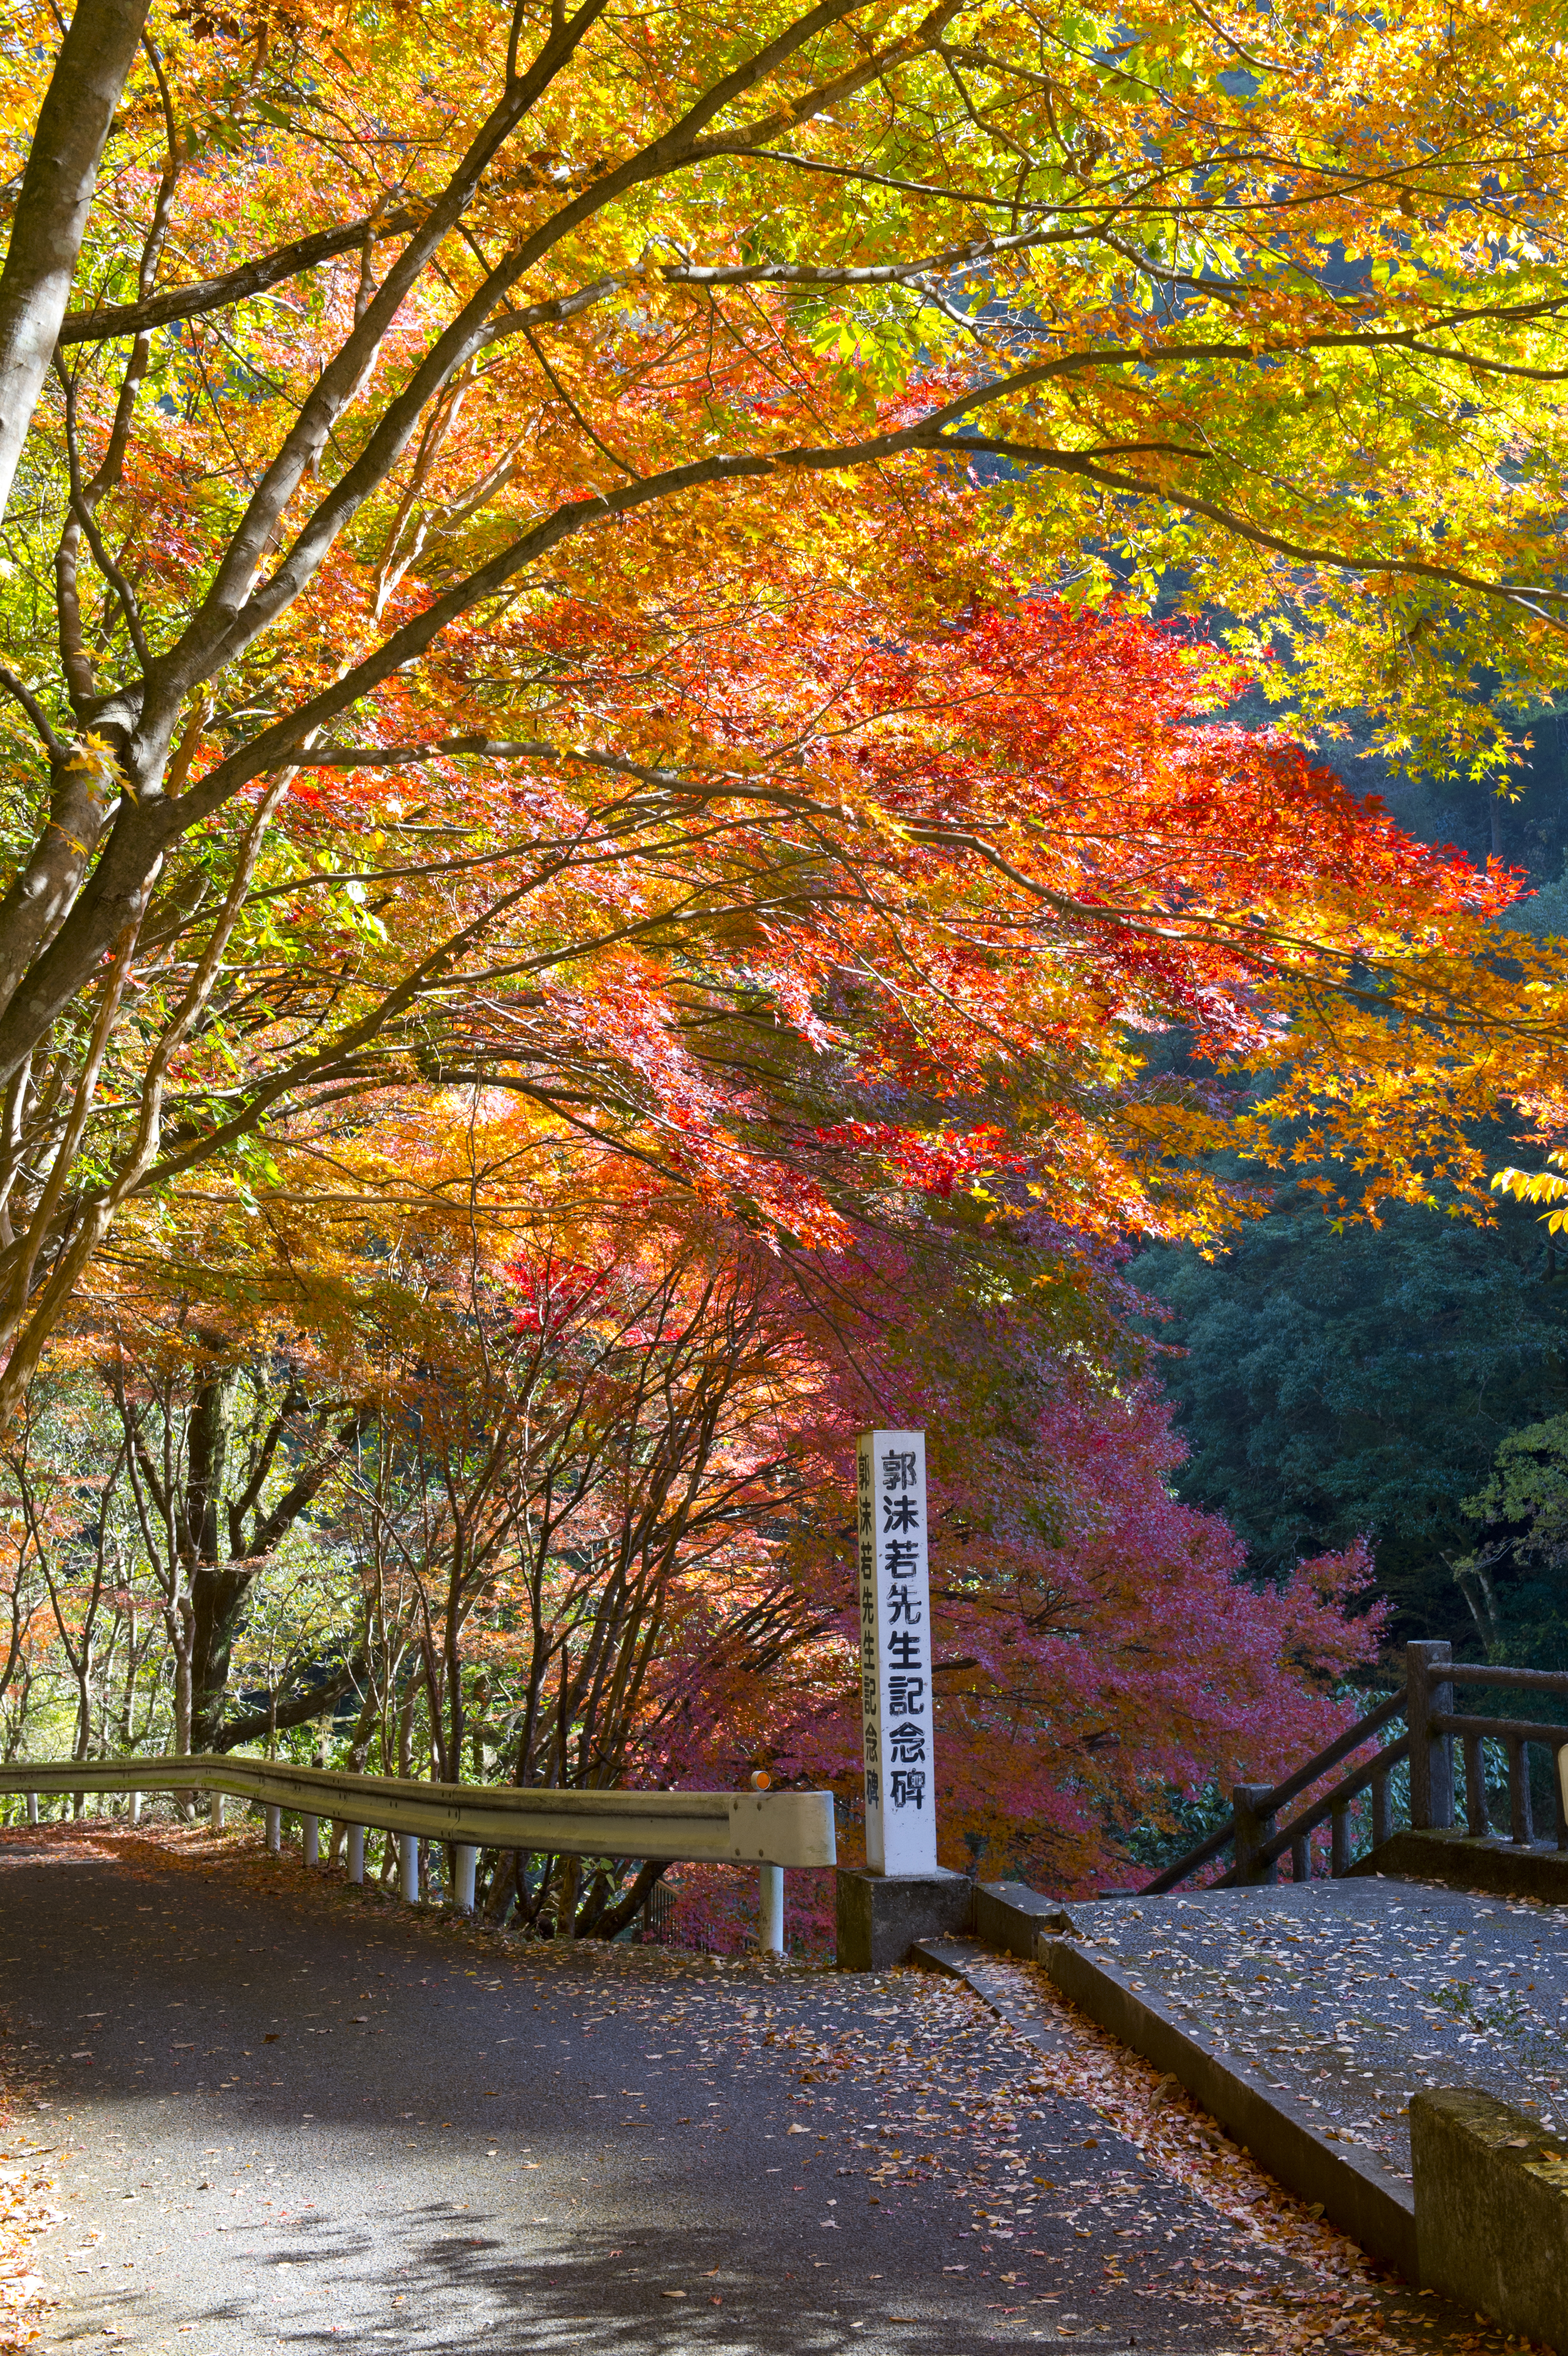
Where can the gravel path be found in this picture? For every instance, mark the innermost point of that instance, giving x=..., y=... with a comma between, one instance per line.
x=1353, y=1994
x=284, y=2115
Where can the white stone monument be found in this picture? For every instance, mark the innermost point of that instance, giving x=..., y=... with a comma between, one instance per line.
x=896, y=1654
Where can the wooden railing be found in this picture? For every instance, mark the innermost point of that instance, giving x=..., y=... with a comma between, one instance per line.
x=1256, y=1841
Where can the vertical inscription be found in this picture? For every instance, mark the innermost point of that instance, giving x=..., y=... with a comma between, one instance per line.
x=895, y=1652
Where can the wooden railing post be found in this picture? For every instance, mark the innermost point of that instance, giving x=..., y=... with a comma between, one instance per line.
x=1382, y=1818
x=1521, y=1825
x=1475, y=1817
x=1252, y=1829
x=1431, y=1754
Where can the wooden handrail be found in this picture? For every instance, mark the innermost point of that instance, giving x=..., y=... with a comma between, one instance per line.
x=1525, y=1729
x=1330, y=1755
x=1485, y=1673
x=1279, y=1795
x=1220, y=1838
x=1358, y=1780
x=1421, y=1675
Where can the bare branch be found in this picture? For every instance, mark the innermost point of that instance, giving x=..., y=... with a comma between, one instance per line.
x=113, y=320
x=21, y=693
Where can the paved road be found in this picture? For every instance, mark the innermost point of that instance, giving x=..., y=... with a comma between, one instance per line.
x=1352, y=1993
x=286, y=2116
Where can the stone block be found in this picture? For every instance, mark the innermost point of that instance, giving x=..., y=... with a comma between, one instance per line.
x=1491, y=2210
x=1502, y=1869
x=1011, y=1915
x=880, y=1915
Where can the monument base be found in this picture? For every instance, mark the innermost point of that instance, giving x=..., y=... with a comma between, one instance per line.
x=880, y=1915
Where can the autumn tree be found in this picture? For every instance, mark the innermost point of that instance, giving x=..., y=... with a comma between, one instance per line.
x=524, y=1406
x=393, y=339
x=223, y=1455
x=1126, y=866
x=611, y=1492
x=570, y=1464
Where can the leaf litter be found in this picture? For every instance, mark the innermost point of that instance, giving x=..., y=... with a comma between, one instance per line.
x=1078, y=2173
x=28, y=2213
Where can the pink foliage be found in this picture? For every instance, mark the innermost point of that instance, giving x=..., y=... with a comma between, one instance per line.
x=1101, y=1654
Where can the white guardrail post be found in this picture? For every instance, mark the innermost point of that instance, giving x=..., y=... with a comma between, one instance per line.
x=310, y=1828
x=467, y=1858
x=274, y=1830
x=355, y=1837
x=408, y=1866
x=770, y=1926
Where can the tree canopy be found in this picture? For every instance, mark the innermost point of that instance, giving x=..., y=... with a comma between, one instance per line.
x=435, y=387
x=579, y=695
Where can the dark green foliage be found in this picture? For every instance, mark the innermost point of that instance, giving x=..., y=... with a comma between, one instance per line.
x=1527, y=827
x=1333, y=1384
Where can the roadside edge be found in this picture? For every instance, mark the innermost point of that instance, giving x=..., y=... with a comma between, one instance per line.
x=1354, y=2189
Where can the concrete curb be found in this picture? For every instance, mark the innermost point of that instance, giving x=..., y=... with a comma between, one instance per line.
x=1010, y=1914
x=1356, y=2190
x=1500, y=1869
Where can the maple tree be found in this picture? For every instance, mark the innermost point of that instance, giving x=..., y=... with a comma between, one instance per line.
x=595, y=1527
x=446, y=402
x=569, y=1464
x=552, y=1480
x=555, y=604
x=1098, y=1656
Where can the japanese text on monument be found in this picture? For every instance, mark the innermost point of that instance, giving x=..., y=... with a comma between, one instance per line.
x=895, y=1652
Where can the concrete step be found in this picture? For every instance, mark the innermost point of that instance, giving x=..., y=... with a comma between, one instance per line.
x=1486, y=2221
x=1306, y=2017
x=1353, y=1995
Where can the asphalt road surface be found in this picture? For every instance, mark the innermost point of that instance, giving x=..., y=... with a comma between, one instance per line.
x=286, y=2116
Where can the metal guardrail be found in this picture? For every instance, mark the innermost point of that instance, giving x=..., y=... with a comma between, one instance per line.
x=770, y=1829
x=791, y=1828
x=1426, y=1705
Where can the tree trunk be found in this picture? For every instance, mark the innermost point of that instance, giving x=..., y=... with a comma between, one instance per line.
x=218, y=1586
x=1474, y=1581
x=613, y=1920
x=219, y=1594
x=51, y=211
x=180, y=1636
